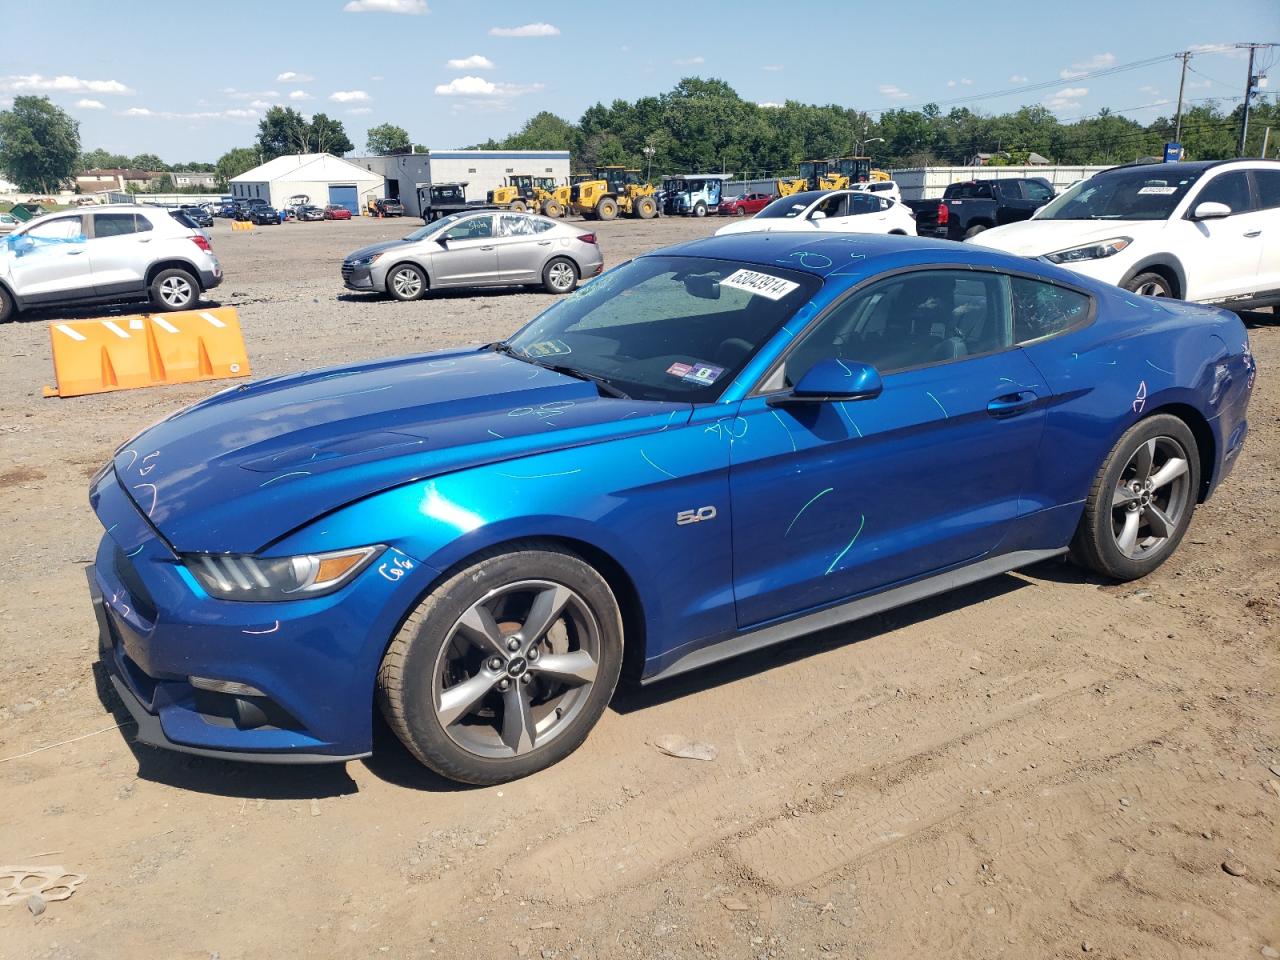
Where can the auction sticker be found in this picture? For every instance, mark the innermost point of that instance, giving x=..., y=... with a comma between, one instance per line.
x=703, y=374
x=763, y=284
x=1158, y=191
x=680, y=370
x=548, y=348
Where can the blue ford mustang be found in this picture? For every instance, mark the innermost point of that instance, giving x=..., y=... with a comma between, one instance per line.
x=714, y=447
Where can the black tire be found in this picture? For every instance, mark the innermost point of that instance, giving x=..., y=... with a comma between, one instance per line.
x=174, y=289
x=645, y=208
x=699, y=209
x=7, y=308
x=409, y=675
x=607, y=208
x=406, y=281
x=518, y=206
x=560, y=275
x=1096, y=542
x=741, y=211
x=1149, y=285
x=552, y=209
x=973, y=231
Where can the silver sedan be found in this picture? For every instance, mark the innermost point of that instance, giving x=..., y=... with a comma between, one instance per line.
x=482, y=249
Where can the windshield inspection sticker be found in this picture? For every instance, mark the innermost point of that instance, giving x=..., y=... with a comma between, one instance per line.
x=548, y=348
x=775, y=288
x=1158, y=191
x=703, y=374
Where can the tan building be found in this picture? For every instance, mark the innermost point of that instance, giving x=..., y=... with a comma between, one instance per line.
x=98, y=181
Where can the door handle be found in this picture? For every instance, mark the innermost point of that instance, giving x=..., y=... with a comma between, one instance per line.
x=144, y=239
x=486, y=248
x=544, y=243
x=74, y=253
x=1012, y=404
x=1254, y=233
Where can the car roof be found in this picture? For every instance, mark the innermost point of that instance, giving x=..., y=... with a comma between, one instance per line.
x=1185, y=166
x=822, y=256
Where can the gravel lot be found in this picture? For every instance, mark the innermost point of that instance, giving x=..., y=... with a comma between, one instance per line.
x=1031, y=767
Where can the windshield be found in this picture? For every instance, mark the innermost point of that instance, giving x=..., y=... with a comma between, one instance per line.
x=667, y=328
x=433, y=227
x=790, y=207
x=1143, y=193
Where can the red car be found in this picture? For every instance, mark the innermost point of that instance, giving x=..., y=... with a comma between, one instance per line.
x=747, y=205
x=336, y=211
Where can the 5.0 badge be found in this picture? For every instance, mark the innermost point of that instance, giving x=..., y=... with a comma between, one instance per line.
x=695, y=516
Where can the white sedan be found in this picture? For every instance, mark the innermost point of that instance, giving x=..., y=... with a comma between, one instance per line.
x=831, y=211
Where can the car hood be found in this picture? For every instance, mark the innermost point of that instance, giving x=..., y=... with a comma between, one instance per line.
x=768, y=225
x=373, y=248
x=243, y=468
x=1035, y=238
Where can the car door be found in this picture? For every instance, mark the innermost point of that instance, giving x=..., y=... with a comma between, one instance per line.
x=830, y=213
x=468, y=254
x=865, y=214
x=120, y=251
x=47, y=261
x=522, y=250
x=1266, y=188
x=1221, y=256
x=832, y=500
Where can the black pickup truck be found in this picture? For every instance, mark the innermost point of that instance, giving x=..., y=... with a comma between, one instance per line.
x=969, y=207
x=442, y=199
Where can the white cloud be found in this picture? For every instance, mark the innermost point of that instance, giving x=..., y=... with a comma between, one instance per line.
x=260, y=104
x=234, y=94
x=473, y=62
x=528, y=30
x=348, y=96
x=360, y=110
x=1019, y=78
x=36, y=83
x=300, y=95
x=136, y=112
x=772, y=67
x=412, y=7
x=770, y=105
x=376, y=77
x=1099, y=61
x=689, y=61
x=1226, y=49
x=289, y=76
x=1150, y=90
x=892, y=92
x=87, y=104
x=966, y=81
x=237, y=113
x=470, y=86
x=1068, y=98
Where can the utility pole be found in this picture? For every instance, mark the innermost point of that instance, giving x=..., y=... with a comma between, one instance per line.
x=1250, y=82
x=1182, y=83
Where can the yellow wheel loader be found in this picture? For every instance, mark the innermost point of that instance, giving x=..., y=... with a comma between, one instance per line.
x=516, y=194
x=611, y=191
x=551, y=198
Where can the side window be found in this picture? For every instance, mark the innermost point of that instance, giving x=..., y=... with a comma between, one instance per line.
x=863, y=203
x=514, y=225
x=472, y=229
x=1229, y=188
x=1010, y=189
x=833, y=206
x=541, y=226
x=64, y=228
x=1035, y=190
x=1042, y=309
x=1267, y=183
x=113, y=224
x=916, y=320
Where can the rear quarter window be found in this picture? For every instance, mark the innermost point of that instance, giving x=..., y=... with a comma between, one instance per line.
x=1042, y=310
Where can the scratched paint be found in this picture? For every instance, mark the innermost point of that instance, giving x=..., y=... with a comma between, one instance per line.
x=852, y=423
x=656, y=467
x=540, y=476
x=262, y=633
x=1161, y=369
x=938, y=402
x=782, y=423
x=154, y=495
x=291, y=473
x=862, y=522
x=811, y=500
x=1140, y=398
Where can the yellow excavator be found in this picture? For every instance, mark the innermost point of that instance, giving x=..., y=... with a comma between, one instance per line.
x=613, y=190
x=551, y=198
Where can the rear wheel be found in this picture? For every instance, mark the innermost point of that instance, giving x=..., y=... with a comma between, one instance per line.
x=1142, y=500
x=607, y=208
x=1149, y=285
x=742, y=211
x=559, y=276
x=174, y=290
x=504, y=669
x=973, y=231
x=700, y=209
x=406, y=281
x=7, y=310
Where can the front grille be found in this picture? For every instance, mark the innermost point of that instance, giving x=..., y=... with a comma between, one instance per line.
x=347, y=271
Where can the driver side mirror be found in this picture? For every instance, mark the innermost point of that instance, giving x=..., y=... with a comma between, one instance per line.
x=817, y=215
x=1210, y=210
x=833, y=380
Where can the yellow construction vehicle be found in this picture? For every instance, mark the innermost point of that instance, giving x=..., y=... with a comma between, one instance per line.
x=813, y=172
x=842, y=172
x=785, y=188
x=613, y=190
x=551, y=198
x=516, y=194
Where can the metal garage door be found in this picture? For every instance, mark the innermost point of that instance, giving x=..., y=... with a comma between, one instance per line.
x=345, y=196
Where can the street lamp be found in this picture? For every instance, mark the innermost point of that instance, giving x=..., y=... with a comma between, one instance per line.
x=866, y=143
x=649, y=152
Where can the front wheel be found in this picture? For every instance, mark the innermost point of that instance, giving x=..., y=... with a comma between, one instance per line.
x=407, y=282
x=606, y=209
x=1149, y=285
x=7, y=310
x=700, y=209
x=504, y=669
x=552, y=209
x=973, y=231
x=174, y=290
x=559, y=276
x=1141, y=501
x=742, y=211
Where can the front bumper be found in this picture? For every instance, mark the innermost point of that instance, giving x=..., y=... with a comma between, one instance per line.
x=357, y=278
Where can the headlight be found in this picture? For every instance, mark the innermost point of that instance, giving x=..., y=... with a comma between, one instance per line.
x=1094, y=251
x=365, y=261
x=242, y=577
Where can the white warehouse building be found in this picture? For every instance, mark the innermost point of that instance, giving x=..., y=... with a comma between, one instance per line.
x=321, y=177
x=402, y=175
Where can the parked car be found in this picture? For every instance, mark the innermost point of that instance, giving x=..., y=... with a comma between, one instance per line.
x=477, y=250
x=661, y=469
x=746, y=206
x=114, y=254
x=262, y=215
x=883, y=188
x=310, y=213
x=336, y=211
x=8, y=223
x=837, y=211
x=966, y=209
x=1206, y=231
x=389, y=207
x=198, y=215
x=227, y=209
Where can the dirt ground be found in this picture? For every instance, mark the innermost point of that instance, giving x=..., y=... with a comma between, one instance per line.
x=1038, y=766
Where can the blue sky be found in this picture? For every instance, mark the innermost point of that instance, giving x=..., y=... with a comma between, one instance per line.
x=188, y=81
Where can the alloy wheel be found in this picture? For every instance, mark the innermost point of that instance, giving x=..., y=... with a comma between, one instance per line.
x=516, y=668
x=175, y=291
x=406, y=282
x=1152, y=288
x=1151, y=498
x=561, y=275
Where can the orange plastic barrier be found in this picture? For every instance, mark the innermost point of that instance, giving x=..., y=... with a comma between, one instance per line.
x=241, y=224
x=122, y=353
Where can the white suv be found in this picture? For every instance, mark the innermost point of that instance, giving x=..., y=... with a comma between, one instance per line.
x=1207, y=231
x=108, y=255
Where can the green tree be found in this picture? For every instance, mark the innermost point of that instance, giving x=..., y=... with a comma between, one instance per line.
x=283, y=130
x=327, y=135
x=387, y=138
x=235, y=162
x=148, y=161
x=100, y=159
x=39, y=144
